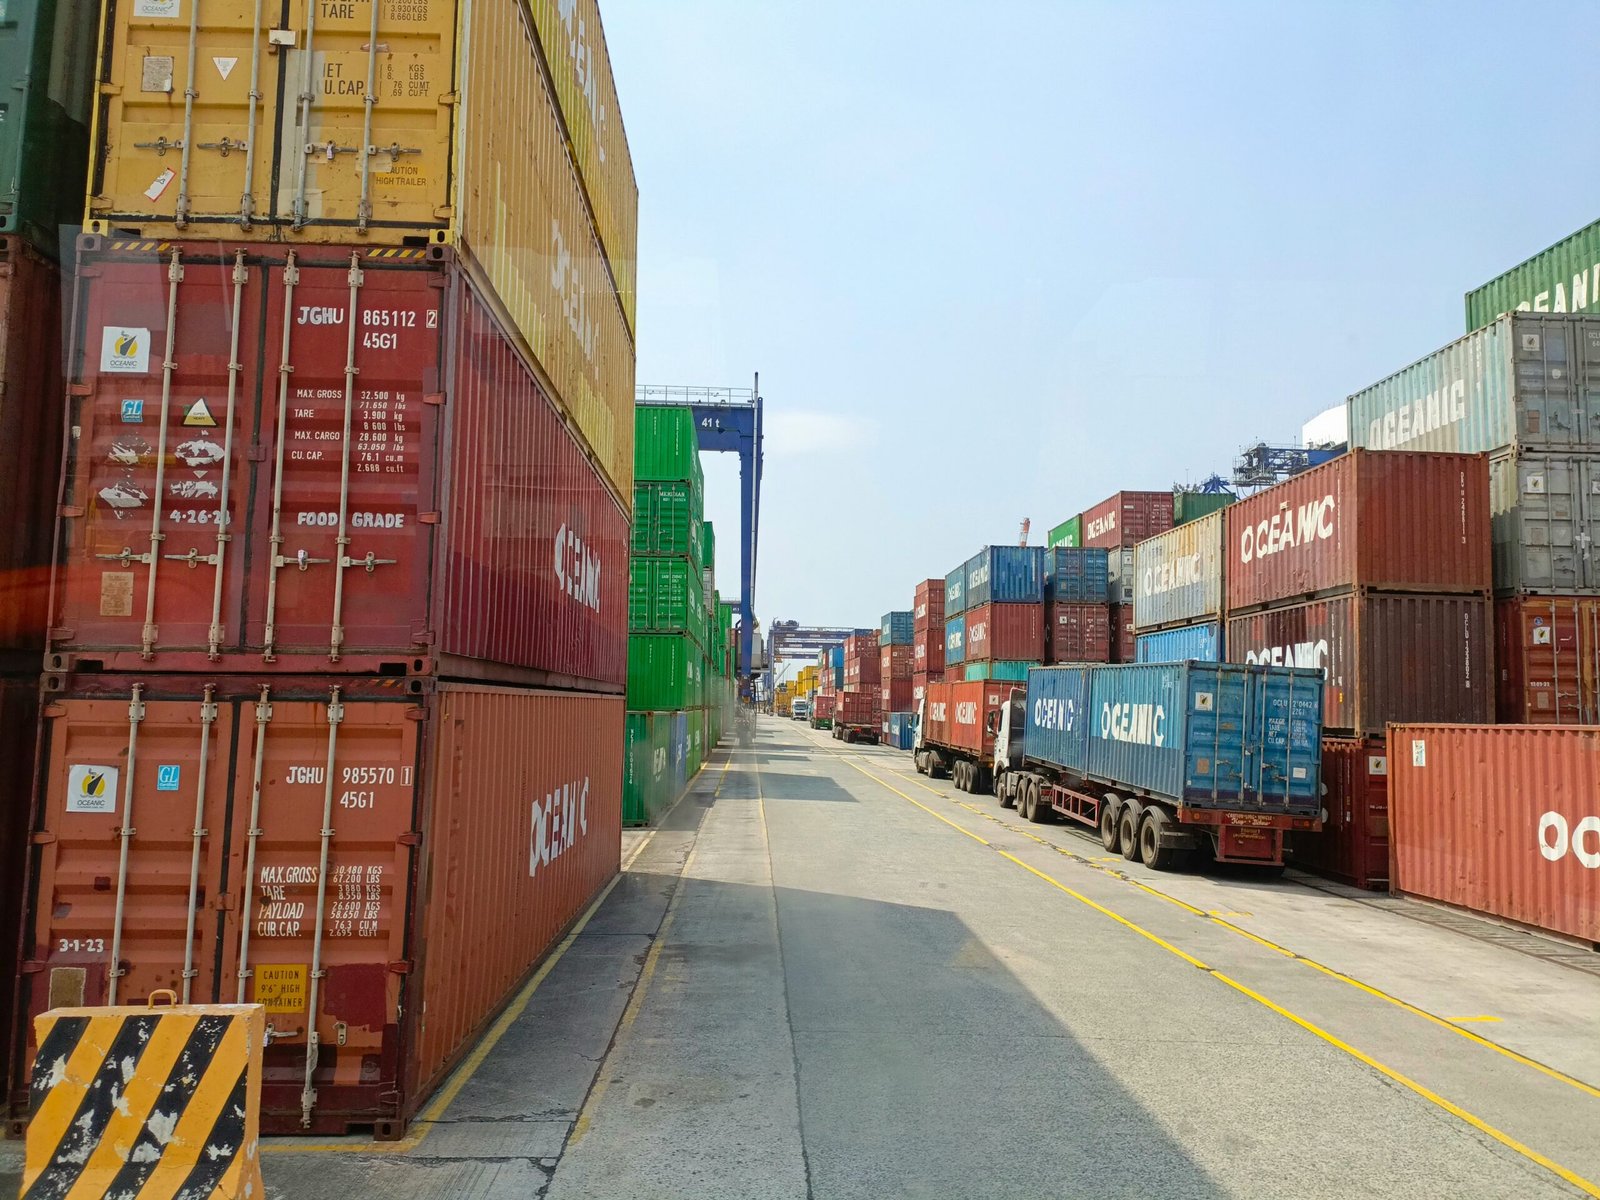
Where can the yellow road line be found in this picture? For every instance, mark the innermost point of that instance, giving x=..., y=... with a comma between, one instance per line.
x=1455, y=1110
x=1459, y=1019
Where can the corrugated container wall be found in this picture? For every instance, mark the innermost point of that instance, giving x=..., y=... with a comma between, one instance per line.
x=1119, y=577
x=1202, y=642
x=1124, y=642
x=1527, y=381
x=1545, y=511
x=1177, y=575
x=47, y=61
x=1399, y=522
x=895, y=661
x=957, y=714
x=666, y=446
x=955, y=641
x=646, y=767
x=461, y=143
x=1078, y=633
x=1005, y=631
x=1127, y=518
x=1068, y=533
x=1006, y=670
x=896, y=628
x=1353, y=844
x=1499, y=819
x=927, y=605
x=477, y=527
x=894, y=695
x=1563, y=278
x=1056, y=730
x=475, y=825
x=927, y=650
x=1005, y=575
x=955, y=592
x=1547, y=655
x=1387, y=657
x=1191, y=506
x=1076, y=574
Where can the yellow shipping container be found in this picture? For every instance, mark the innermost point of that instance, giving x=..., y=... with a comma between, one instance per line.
x=381, y=122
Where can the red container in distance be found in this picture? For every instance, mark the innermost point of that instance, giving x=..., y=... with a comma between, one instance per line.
x=457, y=835
x=397, y=493
x=822, y=706
x=1500, y=819
x=927, y=605
x=1547, y=655
x=1079, y=633
x=30, y=433
x=863, y=708
x=1127, y=518
x=927, y=650
x=861, y=662
x=1005, y=632
x=1124, y=648
x=896, y=662
x=896, y=696
x=1385, y=520
x=1353, y=845
x=1386, y=656
x=957, y=714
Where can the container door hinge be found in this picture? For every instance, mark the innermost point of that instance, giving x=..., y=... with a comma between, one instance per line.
x=422, y=637
x=445, y=212
x=433, y=398
x=450, y=98
x=110, y=89
x=70, y=510
x=400, y=966
x=51, y=712
x=428, y=518
x=411, y=837
x=33, y=966
x=44, y=838
x=82, y=389
x=62, y=634
x=416, y=714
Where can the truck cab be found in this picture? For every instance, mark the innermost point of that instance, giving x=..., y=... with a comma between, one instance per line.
x=1011, y=721
x=800, y=709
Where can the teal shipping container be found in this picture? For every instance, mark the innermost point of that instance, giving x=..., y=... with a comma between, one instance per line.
x=1006, y=669
x=666, y=447
x=1564, y=278
x=665, y=671
x=1201, y=642
x=955, y=592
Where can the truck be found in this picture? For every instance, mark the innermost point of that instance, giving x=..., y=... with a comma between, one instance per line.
x=800, y=709
x=857, y=716
x=1167, y=759
x=822, y=710
x=956, y=727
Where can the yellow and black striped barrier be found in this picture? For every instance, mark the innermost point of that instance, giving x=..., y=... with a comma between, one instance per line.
x=159, y=1103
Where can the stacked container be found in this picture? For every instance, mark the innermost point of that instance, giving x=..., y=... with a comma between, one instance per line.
x=896, y=662
x=859, y=701
x=344, y=530
x=1118, y=523
x=1077, y=614
x=1525, y=389
x=1178, y=594
x=1003, y=626
x=927, y=638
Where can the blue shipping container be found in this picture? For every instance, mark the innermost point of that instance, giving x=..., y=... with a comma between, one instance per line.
x=900, y=730
x=680, y=753
x=1205, y=735
x=955, y=591
x=1075, y=574
x=1057, y=717
x=1014, y=670
x=895, y=629
x=835, y=661
x=1202, y=643
x=955, y=641
x=1004, y=575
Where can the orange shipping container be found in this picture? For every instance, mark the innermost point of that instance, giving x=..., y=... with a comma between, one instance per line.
x=1547, y=651
x=1501, y=819
x=382, y=864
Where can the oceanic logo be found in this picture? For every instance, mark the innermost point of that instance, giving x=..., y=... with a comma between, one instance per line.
x=1557, y=838
x=966, y=713
x=1142, y=724
x=93, y=784
x=125, y=349
x=577, y=568
x=1050, y=713
x=127, y=345
x=1288, y=528
x=558, y=821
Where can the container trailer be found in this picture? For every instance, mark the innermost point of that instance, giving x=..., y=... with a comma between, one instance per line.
x=857, y=716
x=822, y=710
x=1163, y=758
x=956, y=727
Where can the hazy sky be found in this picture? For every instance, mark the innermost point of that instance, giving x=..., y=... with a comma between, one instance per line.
x=999, y=260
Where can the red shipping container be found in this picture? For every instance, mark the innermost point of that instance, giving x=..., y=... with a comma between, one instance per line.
x=30, y=432
x=895, y=697
x=927, y=605
x=895, y=662
x=919, y=688
x=1124, y=648
x=1501, y=819
x=1388, y=520
x=1353, y=845
x=822, y=706
x=1386, y=656
x=1127, y=518
x=927, y=650
x=1005, y=632
x=1079, y=633
x=957, y=714
x=467, y=829
x=1547, y=649
x=863, y=708
x=481, y=541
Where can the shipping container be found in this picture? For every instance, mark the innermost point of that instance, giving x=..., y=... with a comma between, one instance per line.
x=919, y=688
x=667, y=447
x=666, y=672
x=1353, y=845
x=1124, y=641
x=1202, y=643
x=927, y=608
x=861, y=709
x=927, y=651
x=1527, y=381
x=895, y=695
x=1068, y=533
x=1079, y=633
x=1127, y=518
x=955, y=592
x=822, y=707
x=1009, y=670
x=30, y=431
x=1119, y=577
x=1191, y=506
x=1385, y=656
x=1075, y=574
x=398, y=493
x=1005, y=631
x=1547, y=658
x=646, y=767
x=831, y=661
x=667, y=520
x=47, y=61
x=1158, y=728
x=861, y=661
x=665, y=596
x=957, y=715
x=896, y=662
x=1396, y=522
x=1545, y=511
x=955, y=641
x=1177, y=575
x=1563, y=278
x=900, y=730
x=384, y=862
x=1005, y=575
x=1501, y=820
x=896, y=629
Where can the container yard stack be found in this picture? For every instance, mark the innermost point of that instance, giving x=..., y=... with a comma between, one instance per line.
x=927, y=638
x=344, y=531
x=1078, y=615
x=858, y=705
x=1003, y=632
x=1117, y=524
x=1178, y=594
x=1521, y=388
x=896, y=662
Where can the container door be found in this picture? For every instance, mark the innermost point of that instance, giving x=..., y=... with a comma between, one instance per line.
x=132, y=845
x=332, y=820
x=349, y=467
x=1586, y=536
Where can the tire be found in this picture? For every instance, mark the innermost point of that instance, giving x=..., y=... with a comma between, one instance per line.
x=1128, y=829
x=1039, y=810
x=982, y=781
x=1110, y=825
x=1151, y=853
x=1006, y=792
x=963, y=776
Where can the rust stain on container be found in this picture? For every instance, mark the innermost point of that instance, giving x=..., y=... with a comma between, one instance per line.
x=1500, y=819
x=1353, y=844
x=1548, y=658
x=468, y=828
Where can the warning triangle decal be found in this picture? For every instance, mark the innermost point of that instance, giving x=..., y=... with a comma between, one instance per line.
x=225, y=66
x=199, y=414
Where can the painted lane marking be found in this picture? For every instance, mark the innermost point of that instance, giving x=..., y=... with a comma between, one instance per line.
x=1458, y=1020
x=1584, y=1185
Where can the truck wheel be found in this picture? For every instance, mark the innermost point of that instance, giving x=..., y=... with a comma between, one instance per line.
x=1128, y=829
x=1038, y=811
x=963, y=777
x=1151, y=852
x=1006, y=789
x=982, y=782
x=1110, y=824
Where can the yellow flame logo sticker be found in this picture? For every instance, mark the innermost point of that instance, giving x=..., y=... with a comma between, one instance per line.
x=94, y=783
x=127, y=345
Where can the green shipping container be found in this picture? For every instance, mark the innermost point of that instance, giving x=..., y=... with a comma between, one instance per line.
x=1014, y=671
x=647, y=782
x=667, y=520
x=47, y=66
x=1191, y=506
x=1068, y=533
x=664, y=597
x=708, y=546
x=1564, y=278
x=664, y=671
x=665, y=447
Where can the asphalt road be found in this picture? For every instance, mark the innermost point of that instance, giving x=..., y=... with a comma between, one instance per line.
x=825, y=976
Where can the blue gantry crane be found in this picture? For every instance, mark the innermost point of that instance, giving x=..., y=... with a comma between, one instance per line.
x=728, y=419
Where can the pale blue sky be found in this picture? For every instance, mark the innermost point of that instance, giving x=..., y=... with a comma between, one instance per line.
x=999, y=260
